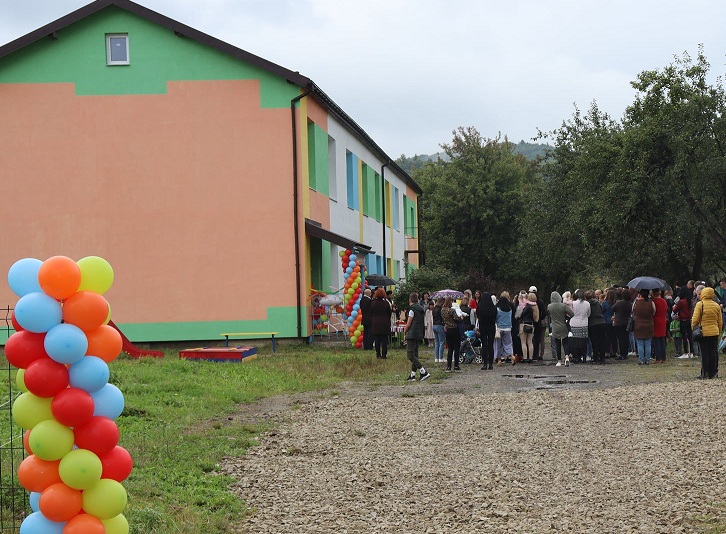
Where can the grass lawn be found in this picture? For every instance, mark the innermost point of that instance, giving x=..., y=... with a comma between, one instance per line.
x=173, y=427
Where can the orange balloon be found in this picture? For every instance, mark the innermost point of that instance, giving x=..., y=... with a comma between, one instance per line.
x=59, y=502
x=26, y=441
x=104, y=342
x=84, y=524
x=59, y=277
x=86, y=309
x=35, y=474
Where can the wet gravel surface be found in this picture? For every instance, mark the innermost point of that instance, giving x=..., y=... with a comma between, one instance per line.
x=529, y=448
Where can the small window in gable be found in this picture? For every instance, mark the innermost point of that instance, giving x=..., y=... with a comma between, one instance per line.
x=117, y=49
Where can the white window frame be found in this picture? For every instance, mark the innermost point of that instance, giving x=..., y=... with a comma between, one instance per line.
x=110, y=36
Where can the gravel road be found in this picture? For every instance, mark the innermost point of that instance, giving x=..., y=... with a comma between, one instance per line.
x=531, y=448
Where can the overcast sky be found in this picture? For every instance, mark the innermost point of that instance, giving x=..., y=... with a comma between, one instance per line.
x=410, y=71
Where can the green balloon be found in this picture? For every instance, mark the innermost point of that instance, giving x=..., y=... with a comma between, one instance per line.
x=105, y=499
x=49, y=440
x=80, y=469
x=20, y=380
x=29, y=410
x=116, y=525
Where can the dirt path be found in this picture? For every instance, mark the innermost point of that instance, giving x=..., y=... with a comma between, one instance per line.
x=530, y=448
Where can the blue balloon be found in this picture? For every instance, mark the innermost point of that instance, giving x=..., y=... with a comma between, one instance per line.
x=90, y=374
x=354, y=314
x=35, y=501
x=356, y=307
x=352, y=258
x=23, y=276
x=37, y=312
x=108, y=401
x=37, y=523
x=66, y=343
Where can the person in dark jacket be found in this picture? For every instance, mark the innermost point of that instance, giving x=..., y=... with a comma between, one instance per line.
x=380, y=327
x=439, y=332
x=486, y=315
x=414, y=332
x=596, y=328
x=365, y=309
x=643, y=312
x=621, y=315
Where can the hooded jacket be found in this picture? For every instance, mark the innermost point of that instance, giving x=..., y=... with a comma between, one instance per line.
x=557, y=314
x=708, y=314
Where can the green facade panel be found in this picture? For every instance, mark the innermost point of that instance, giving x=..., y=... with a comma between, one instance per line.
x=78, y=55
x=281, y=319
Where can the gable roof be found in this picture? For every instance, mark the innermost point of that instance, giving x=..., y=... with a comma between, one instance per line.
x=206, y=39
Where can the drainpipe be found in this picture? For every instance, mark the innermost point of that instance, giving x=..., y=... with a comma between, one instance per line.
x=295, y=209
x=383, y=209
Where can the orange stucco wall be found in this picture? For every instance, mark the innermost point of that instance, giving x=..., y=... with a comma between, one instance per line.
x=187, y=194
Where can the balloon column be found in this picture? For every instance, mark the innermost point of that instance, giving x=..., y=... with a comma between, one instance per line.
x=61, y=347
x=353, y=292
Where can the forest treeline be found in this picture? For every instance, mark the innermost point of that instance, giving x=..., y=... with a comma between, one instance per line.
x=606, y=201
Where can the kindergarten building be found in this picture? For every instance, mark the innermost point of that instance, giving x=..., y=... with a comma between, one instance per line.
x=220, y=186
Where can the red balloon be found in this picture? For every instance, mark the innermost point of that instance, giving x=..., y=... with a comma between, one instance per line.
x=16, y=325
x=46, y=378
x=72, y=407
x=35, y=474
x=117, y=464
x=23, y=348
x=99, y=435
x=84, y=524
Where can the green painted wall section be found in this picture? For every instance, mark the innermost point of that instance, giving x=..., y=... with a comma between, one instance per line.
x=318, y=159
x=282, y=320
x=78, y=56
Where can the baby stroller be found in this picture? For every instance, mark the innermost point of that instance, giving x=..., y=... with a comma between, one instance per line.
x=470, y=350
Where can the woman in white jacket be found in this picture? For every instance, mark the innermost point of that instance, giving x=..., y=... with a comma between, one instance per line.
x=578, y=326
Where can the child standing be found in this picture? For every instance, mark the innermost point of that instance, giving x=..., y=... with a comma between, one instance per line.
x=674, y=327
x=429, y=324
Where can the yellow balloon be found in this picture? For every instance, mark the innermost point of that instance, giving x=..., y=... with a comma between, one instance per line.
x=116, y=525
x=108, y=318
x=105, y=499
x=96, y=274
x=20, y=380
x=29, y=410
x=49, y=440
x=80, y=469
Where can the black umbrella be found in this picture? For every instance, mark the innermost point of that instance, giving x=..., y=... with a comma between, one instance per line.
x=648, y=282
x=380, y=280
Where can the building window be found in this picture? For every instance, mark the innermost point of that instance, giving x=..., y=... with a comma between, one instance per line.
x=351, y=167
x=117, y=49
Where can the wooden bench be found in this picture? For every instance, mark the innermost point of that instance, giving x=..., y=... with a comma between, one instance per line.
x=255, y=335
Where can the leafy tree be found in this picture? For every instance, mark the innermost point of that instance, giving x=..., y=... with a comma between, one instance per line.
x=470, y=204
x=426, y=278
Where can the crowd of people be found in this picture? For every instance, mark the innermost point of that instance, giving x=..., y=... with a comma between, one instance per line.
x=585, y=326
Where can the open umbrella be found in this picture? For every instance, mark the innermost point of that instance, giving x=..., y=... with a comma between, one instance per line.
x=648, y=282
x=380, y=280
x=447, y=293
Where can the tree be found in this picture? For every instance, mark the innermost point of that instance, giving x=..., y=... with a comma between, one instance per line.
x=470, y=203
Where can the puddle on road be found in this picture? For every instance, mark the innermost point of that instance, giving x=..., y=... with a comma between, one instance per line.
x=550, y=381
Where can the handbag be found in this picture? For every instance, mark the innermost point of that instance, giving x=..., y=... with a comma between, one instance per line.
x=697, y=333
x=497, y=333
x=631, y=324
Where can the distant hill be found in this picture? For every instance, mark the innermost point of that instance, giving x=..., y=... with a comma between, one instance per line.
x=530, y=151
